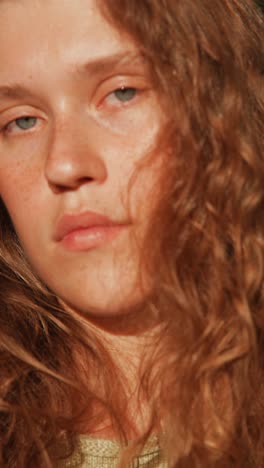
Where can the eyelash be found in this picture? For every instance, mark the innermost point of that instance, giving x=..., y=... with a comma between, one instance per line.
x=6, y=128
x=121, y=90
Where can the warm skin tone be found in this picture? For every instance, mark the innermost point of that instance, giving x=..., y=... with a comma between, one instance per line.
x=70, y=142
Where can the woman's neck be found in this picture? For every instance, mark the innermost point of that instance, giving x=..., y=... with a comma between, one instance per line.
x=130, y=353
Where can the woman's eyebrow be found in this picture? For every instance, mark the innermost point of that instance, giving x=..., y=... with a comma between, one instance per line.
x=14, y=91
x=93, y=68
x=110, y=63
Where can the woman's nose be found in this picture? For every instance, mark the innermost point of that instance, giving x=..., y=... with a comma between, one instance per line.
x=74, y=156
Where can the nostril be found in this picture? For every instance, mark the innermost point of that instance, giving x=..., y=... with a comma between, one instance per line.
x=83, y=180
x=70, y=186
x=80, y=181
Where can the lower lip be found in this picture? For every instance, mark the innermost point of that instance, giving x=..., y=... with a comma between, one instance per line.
x=89, y=238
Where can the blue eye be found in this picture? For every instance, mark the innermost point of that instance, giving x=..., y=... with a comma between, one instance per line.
x=125, y=94
x=26, y=123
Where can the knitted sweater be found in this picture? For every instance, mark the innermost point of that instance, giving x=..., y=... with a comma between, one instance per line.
x=98, y=453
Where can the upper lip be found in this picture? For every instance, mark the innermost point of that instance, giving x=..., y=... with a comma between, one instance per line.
x=71, y=222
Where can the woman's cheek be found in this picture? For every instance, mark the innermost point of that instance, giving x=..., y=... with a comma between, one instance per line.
x=132, y=119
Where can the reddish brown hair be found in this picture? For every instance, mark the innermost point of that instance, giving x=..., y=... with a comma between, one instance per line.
x=207, y=63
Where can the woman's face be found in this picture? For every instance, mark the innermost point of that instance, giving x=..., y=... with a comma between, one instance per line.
x=77, y=117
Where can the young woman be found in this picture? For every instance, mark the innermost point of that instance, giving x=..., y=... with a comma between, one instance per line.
x=131, y=233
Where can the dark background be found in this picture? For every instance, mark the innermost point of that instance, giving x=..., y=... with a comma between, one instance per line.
x=260, y=3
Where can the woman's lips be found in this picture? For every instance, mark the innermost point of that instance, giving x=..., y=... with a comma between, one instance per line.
x=86, y=231
x=89, y=238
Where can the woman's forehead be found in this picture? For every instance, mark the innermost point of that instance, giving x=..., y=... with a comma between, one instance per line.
x=34, y=33
x=48, y=18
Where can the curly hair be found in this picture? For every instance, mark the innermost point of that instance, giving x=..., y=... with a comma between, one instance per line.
x=207, y=239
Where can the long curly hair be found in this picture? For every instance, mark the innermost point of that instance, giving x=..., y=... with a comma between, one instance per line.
x=205, y=250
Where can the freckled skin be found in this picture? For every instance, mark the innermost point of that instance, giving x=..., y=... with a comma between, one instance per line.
x=82, y=151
